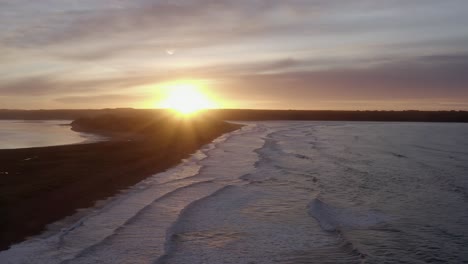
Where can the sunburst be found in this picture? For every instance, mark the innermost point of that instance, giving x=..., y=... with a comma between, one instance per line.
x=186, y=99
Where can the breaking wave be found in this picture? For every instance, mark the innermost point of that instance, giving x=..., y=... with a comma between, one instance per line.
x=333, y=219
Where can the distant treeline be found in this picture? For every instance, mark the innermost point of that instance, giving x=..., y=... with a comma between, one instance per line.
x=325, y=115
x=255, y=115
x=59, y=114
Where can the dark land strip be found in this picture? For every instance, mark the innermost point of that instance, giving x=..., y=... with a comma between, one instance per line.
x=39, y=186
x=256, y=115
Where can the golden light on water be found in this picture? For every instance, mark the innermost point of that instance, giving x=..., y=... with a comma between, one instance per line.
x=186, y=98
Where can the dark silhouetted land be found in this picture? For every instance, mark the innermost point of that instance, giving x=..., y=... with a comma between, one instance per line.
x=258, y=115
x=330, y=115
x=41, y=185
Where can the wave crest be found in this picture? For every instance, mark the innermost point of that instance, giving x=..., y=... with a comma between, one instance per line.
x=333, y=219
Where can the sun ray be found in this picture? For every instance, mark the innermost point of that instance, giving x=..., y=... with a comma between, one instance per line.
x=186, y=99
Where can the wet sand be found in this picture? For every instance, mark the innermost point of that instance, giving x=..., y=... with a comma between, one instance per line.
x=39, y=186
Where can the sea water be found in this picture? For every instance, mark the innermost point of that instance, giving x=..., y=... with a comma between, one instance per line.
x=286, y=192
x=40, y=133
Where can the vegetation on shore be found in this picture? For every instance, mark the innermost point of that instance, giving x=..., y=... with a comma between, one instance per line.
x=255, y=115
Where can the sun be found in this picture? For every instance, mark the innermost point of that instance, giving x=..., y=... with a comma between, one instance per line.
x=186, y=99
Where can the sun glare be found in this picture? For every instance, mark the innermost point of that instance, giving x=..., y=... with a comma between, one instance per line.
x=186, y=99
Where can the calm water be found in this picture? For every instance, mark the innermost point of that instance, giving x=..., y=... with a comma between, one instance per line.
x=26, y=134
x=287, y=192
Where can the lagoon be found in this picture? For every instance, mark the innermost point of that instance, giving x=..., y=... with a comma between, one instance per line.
x=40, y=133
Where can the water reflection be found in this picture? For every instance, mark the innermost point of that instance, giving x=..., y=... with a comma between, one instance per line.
x=34, y=133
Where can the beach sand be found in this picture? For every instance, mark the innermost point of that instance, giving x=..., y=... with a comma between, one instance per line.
x=39, y=186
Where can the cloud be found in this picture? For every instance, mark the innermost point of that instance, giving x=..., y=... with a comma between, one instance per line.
x=102, y=99
x=442, y=75
x=33, y=86
x=51, y=85
x=438, y=76
x=266, y=50
x=99, y=31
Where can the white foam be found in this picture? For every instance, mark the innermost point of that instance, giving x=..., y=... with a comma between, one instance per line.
x=214, y=166
x=333, y=218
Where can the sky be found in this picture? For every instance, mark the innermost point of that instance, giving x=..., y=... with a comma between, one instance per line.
x=258, y=54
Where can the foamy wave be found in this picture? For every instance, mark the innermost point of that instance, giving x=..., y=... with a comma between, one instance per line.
x=113, y=232
x=334, y=219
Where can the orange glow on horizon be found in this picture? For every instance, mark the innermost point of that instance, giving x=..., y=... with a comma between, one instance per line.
x=186, y=98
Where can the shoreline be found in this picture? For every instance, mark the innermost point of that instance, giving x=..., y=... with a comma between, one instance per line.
x=21, y=134
x=59, y=180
